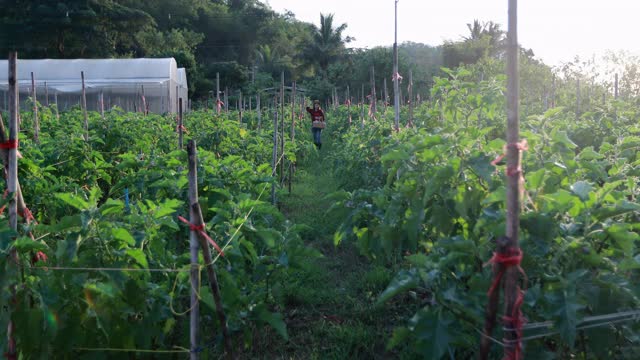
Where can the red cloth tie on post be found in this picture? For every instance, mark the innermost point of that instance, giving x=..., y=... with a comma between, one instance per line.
x=181, y=127
x=522, y=145
x=200, y=230
x=516, y=320
x=9, y=144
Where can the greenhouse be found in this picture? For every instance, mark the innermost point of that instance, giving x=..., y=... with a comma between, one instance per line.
x=130, y=84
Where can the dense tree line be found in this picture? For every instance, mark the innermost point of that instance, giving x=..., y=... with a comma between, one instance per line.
x=245, y=41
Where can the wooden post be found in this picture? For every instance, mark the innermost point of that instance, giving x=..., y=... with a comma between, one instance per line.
x=102, y=104
x=615, y=88
x=144, y=102
x=508, y=246
x=553, y=92
x=282, y=131
x=240, y=108
x=211, y=272
x=396, y=86
x=349, y=105
x=386, y=95
x=193, y=248
x=410, y=123
x=274, y=161
x=293, y=128
x=12, y=181
x=374, y=98
x=84, y=109
x=36, y=123
x=46, y=94
x=259, y=111
x=218, y=93
x=55, y=99
x=362, y=107
x=180, y=125
x=577, y=99
x=226, y=100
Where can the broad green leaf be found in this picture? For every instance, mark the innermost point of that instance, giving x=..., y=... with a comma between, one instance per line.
x=275, y=320
x=139, y=256
x=624, y=237
x=123, y=235
x=562, y=138
x=619, y=208
x=168, y=207
x=395, y=155
x=25, y=244
x=567, y=316
x=403, y=281
x=582, y=189
x=112, y=207
x=433, y=333
x=73, y=200
x=589, y=154
x=400, y=336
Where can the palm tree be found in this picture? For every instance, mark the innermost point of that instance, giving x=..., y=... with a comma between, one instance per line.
x=270, y=61
x=327, y=43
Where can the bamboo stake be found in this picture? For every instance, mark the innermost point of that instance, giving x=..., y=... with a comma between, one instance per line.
x=293, y=128
x=396, y=86
x=12, y=181
x=577, y=99
x=275, y=152
x=193, y=248
x=226, y=100
x=144, y=102
x=258, y=110
x=282, y=131
x=55, y=99
x=349, y=105
x=410, y=123
x=218, y=93
x=553, y=92
x=102, y=104
x=374, y=98
x=508, y=244
x=180, y=125
x=36, y=123
x=386, y=95
x=362, y=107
x=196, y=221
x=84, y=109
x=46, y=95
x=240, y=108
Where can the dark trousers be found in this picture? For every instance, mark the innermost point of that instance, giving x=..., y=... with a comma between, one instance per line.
x=316, y=135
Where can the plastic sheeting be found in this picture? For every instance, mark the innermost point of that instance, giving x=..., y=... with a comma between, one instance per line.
x=118, y=82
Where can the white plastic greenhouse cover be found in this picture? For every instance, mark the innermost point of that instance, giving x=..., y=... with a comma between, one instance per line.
x=119, y=82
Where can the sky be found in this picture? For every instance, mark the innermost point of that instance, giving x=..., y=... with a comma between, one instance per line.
x=556, y=30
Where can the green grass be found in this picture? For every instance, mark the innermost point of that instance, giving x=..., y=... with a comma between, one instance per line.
x=330, y=305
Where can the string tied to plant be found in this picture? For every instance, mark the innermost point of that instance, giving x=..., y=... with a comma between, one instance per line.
x=516, y=320
x=200, y=230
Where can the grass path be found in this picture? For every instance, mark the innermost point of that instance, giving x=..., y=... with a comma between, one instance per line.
x=330, y=310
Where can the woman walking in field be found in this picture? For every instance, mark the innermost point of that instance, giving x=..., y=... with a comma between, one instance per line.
x=317, y=120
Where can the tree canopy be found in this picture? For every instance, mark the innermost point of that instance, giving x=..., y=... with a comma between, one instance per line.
x=245, y=41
